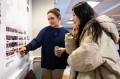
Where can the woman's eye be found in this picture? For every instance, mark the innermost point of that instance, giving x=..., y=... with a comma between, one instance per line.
x=73, y=14
x=52, y=18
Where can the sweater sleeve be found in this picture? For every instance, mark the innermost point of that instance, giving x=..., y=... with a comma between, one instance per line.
x=69, y=43
x=36, y=42
x=86, y=57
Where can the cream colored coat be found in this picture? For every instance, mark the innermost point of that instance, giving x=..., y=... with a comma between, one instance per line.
x=95, y=60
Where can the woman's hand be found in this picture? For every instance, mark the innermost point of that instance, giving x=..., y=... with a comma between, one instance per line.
x=74, y=31
x=59, y=51
x=22, y=51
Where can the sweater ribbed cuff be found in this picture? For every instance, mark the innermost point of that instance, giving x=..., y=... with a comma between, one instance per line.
x=28, y=48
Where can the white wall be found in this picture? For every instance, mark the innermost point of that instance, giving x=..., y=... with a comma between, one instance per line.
x=15, y=22
x=39, y=20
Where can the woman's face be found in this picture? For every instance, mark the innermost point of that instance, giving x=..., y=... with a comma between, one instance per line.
x=76, y=20
x=53, y=20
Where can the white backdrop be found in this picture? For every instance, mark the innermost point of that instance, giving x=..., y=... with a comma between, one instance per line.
x=14, y=32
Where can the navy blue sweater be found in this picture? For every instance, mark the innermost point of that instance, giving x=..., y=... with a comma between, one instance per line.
x=48, y=38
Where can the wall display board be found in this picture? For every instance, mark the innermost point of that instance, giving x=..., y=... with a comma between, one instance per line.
x=15, y=31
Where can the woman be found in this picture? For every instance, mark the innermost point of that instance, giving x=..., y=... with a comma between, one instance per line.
x=91, y=45
x=53, y=62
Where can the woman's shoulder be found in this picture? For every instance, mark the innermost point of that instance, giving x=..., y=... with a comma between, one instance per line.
x=65, y=29
x=46, y=28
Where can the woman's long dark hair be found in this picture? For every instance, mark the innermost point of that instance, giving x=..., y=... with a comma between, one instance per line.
x=85, y=13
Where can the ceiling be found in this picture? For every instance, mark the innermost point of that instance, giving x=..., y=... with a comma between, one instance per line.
x=109, y=7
